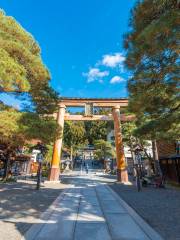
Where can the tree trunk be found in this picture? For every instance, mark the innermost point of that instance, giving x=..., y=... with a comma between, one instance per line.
x=71, y=157
x=156, y=158
x=150, y=160
x=71, y=154
x=133, y=156
x=6, y=168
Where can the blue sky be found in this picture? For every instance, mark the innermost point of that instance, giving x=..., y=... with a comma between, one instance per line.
x=81, y=42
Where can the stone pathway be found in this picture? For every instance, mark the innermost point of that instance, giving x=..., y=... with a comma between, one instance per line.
x=157, y=206
x=21, y=205
x=90, y=210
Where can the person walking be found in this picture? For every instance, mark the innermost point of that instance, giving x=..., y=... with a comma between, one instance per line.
x=87, y=168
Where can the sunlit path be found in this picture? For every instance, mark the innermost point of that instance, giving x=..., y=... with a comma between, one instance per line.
x=89, y=120
x=89, y=209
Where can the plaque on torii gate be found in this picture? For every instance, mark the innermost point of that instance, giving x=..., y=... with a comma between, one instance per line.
x=89, y=104
x=89, y=109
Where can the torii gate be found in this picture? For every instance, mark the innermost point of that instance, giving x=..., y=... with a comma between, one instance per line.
x=89, y=103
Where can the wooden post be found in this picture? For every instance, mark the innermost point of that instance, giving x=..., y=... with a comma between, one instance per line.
x=122, y=175
x=55, y=171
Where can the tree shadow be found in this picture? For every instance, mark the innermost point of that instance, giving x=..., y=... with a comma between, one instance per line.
x=61, y=208
x=21, y=203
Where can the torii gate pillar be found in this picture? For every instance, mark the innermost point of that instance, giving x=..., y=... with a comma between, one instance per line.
x=55, y=164
x=122, y=175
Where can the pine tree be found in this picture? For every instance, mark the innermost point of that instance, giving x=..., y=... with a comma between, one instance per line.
x=21, y=66
x=153, y=58
x=74, y=136
x=17, y=128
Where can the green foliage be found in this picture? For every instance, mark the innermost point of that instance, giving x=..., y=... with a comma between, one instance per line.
x=74, y=134
x=16, y=128
x=3, y=106
x=22, y=70
x=96, y=130
x=153, y=57
x=9, y=129
x=34, y=126
x=133, y=139
x=21, y=66
x=20, y=61
x=46, y=99
x=103, y=150
x=128, y=133
x=48, y=156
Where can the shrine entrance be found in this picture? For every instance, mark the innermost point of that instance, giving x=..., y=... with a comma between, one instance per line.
x=89, y=104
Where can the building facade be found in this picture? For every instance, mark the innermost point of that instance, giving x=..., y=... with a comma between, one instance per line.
x=169, y=158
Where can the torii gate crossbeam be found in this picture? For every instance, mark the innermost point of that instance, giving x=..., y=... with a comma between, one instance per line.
x=115, y=105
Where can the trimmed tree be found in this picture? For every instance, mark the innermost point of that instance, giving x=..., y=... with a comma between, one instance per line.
x=16, y=128
x=153, y=58
x=104, y=149
x=74, y=136
x=21, y=66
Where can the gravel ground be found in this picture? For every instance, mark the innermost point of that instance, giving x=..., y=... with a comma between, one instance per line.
x=159, y=207
x=21, y=204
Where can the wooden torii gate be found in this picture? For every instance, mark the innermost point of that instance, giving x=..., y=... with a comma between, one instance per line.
x=89, y=103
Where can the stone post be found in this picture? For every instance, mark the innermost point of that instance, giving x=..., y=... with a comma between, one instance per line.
x=55, y=171
x=122, y=175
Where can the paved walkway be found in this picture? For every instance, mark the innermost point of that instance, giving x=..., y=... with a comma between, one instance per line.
x=21, y=205
x=90, y=210
x=157, y=206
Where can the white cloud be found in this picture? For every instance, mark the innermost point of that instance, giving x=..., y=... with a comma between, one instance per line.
x=95, y=74
x=113, y=60
x=116, y=79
